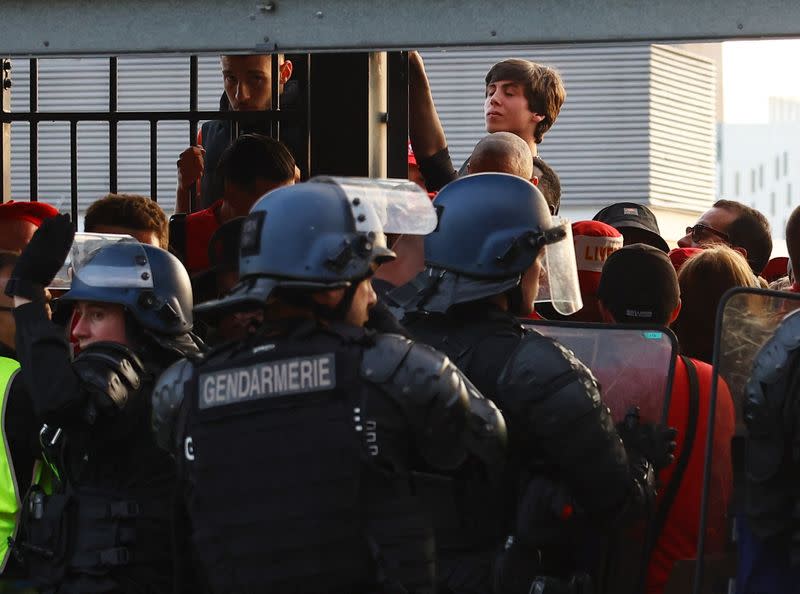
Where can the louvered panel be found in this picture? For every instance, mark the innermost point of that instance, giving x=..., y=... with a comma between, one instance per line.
x=683, y=128
x=81, y=84
x=599, y=144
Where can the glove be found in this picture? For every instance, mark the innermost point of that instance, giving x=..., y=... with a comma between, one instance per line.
x=655, y=442
x=41, y=259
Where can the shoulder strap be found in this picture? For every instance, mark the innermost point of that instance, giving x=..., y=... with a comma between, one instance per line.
x=680, y=467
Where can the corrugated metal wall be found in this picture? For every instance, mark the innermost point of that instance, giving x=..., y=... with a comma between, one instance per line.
x=638, y=123
x=614, y=140
x=81, y=84
x=682, y=128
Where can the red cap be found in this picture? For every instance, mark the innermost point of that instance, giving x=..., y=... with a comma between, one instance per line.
x=412, y=159
x=776, y=268
x=594, y=243
x=33, y=212
x=679, y=255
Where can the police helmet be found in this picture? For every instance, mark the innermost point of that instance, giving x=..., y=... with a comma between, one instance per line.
x=309, y=236
x=492, y=227
x=149, y=282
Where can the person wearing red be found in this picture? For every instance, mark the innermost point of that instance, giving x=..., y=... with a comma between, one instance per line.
x=252, y=166
x=639, y=285
x=793, y=247
x=679, y=256
x=19, y=221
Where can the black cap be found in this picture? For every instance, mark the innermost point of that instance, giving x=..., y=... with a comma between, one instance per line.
x=629, y=215
x=639, y=285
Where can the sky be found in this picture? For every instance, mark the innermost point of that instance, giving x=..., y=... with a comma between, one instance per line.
x=755, y=70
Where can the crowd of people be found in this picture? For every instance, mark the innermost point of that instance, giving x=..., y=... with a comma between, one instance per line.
x=339, y=386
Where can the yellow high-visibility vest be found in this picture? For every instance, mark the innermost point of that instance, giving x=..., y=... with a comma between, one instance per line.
x=10, y=500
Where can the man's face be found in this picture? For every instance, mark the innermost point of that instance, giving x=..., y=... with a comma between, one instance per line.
x=248, y=81
x=95, y=322
x=713, y=223
x=363, y=300
x=141, y=235
x=506, y=109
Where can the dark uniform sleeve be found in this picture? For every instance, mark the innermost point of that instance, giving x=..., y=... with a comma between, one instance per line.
x=437, y=170
x=553, y=407
x=44, y=354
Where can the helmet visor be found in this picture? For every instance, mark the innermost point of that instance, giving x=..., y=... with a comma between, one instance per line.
x=83, y=245
x=401, y=206
x=558, y=282
x=94, y=266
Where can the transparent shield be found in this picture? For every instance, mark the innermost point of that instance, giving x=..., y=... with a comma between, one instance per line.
x=558, y=282
x=401, y=206
x=746, y=320
x=634, y=364
x=97, y=266
x=83, y=244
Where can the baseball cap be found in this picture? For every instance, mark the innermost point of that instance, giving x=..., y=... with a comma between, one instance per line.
x=639, y=285
x=33, y=212
x=594, y=243
x=629, y=215
x=678, y=256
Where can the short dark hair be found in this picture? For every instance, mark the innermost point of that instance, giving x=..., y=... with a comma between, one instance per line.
x=543, y=89
x=128, y=210
x=254, y=156
x=793, y=238
x=549, y=184
x=750, y=230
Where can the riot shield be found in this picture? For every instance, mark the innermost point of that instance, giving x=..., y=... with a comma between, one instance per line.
x=746, y=320
x=634, y=364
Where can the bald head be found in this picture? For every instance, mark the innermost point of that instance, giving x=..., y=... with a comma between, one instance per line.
x=502, y=152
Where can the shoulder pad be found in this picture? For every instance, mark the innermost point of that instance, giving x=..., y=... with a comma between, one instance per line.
x=110, y=369
x=449, y=417
x=382, y=359
x=167, y=397
x=543, y=373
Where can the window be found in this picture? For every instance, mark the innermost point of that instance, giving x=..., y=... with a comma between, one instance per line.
x=761, y=177
x=785, y=163
x=777, y=168
x=772, y=203
x=736, y=184
x=752, y=181
x=789, y=195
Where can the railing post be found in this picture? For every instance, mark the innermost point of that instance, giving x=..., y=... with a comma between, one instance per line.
x=377, y=115
x=5, y=131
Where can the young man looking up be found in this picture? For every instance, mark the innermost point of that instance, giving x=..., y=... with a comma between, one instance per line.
x=248, y=87
x=522, y=97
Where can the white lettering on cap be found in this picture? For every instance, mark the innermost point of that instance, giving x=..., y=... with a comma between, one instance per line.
x=591, y=252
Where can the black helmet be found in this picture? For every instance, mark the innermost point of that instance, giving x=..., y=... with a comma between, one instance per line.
x=307, y=236
x=149, y=282
x=492, y=226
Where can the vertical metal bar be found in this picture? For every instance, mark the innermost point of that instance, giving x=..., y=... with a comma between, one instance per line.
x=33, y=155
x=193, y=84
x=5, y=130
x=397, y=150
x=376, y=115
x=275, y=106
x=113, y=174
x=154, y=160
x=73, y=169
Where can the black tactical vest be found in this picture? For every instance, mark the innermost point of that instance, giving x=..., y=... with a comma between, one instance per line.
x=288, y=489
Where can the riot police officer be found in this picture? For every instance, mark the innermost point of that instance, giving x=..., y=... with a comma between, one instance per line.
x=568, y=466
x=298, y=447
x=105, y=528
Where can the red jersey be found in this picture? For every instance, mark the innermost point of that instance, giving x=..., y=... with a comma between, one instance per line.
x=678, y=539
x=200, y=226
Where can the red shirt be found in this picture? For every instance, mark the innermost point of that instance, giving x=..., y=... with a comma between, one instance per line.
x=200, y=226
x=678, y=539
